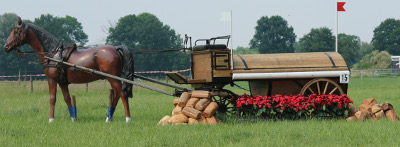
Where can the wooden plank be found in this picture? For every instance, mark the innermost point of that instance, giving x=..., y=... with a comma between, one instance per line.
x=178, y=78
x=202, y=66
x=289, y=70
x=288, y=60
x=222, y=73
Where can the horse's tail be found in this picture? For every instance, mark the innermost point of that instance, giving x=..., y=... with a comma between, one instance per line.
x=128, y=69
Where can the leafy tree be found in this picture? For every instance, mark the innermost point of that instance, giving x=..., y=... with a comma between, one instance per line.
x=387, y=36
x=273, y=35
x=66, y=28
x=375, y=60
x=318, y=40
x=146, y=31
x=366, y=48
x=348, y=47
x=244, y=50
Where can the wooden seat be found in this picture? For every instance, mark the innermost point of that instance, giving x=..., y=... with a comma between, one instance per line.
x=180, y=79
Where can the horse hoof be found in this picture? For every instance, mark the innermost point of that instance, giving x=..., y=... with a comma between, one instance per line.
x=108, y=120
x=51, y=120
x=73, y=119
x=128, y=119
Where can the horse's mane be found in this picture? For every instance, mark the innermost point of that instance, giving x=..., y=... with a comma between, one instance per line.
x=48, y=41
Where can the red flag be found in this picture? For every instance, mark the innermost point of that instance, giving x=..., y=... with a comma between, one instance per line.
x=340, y=6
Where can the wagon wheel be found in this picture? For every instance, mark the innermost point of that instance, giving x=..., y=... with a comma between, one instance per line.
x=321, y=86
x=226, y=100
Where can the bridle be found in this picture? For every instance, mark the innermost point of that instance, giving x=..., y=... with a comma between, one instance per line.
x=17, y=38
x=18, y=32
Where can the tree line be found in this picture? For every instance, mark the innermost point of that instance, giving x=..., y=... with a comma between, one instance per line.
x=274, y=35
x=145, y=31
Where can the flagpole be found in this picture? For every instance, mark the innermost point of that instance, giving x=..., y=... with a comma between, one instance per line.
x=337, y=27
x=231, y=44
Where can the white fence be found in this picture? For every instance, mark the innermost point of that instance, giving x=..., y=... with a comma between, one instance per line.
x=376, y=73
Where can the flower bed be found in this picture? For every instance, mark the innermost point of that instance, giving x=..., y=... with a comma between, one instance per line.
x=293, y=107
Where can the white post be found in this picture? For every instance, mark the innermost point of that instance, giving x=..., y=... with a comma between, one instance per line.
x=231, y=44
x=337, y=30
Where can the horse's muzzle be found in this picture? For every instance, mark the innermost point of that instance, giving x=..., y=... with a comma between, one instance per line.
x=7, y=48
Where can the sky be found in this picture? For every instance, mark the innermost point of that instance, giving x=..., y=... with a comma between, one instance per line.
x=201, y=19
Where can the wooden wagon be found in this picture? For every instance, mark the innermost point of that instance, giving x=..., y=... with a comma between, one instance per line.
x=214, y=66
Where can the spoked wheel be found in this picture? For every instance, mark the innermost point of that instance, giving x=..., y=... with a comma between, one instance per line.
x=321, y=86
x=226, y=100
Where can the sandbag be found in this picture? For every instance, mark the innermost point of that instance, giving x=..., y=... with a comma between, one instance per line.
x=164, y=120
x=357, y=114
x=364, y=115
x=176, y=101
x=180, y=118
x=192, y=102
x=202, y=120
x=177, y=110
x=380, y=114
x=391, y=115
x=387, y=106
x=370, y=101
x=202, y=104
x=352, y=110
x=183, y=99
x=352, y=118
x=376, y=108
x=210, y=110
x=365, y=107
x=201, y=94
x=211, y=121
x=192, y=121
x=191, y=112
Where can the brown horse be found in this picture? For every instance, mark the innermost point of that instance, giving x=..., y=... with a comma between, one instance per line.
x=108, y=59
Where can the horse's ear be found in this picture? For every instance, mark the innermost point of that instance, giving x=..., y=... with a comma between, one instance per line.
x=19, y=21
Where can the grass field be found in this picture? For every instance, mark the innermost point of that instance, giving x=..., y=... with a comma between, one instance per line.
x=24, y=121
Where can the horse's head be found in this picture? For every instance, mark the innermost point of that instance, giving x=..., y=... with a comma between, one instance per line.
x=17, y=37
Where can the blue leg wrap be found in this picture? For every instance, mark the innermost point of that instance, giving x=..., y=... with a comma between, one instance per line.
x=72, y=111
x=110, y=112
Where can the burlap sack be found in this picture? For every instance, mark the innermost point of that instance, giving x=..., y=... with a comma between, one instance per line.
x=370, y=101
x=180, y=118
x=191, y=112
x=183, y=99
x=376, y=108
x=164, y=120
x=210, y=110
x=192, y=121
x=177, y=110
x=176, y=101
x=352, y=118
x=387, y=106
x=357, y=114
x=212, y=121
x=352, y=110
x=202, y=104
x=391, y=115
x=365, y=107
x=192, y=102
x=201, y=94
x=380, y=114
x=364, y=115
x=202, y=120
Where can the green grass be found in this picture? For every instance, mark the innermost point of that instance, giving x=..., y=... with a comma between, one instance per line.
x=24, y=121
